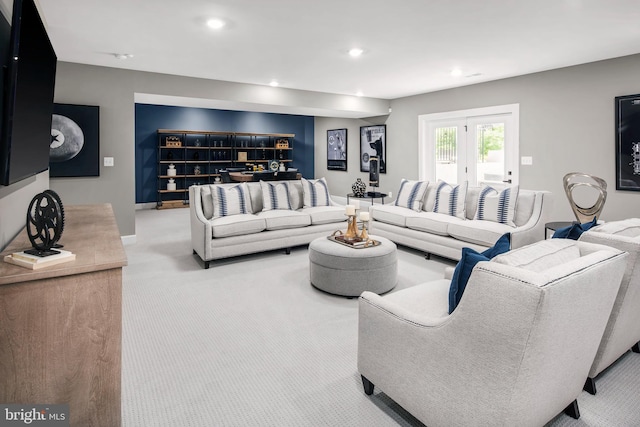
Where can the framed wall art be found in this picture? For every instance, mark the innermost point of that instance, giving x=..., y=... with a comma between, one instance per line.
x=75, y=141
x=373, y=142
x=628, y=142
x=337, y=149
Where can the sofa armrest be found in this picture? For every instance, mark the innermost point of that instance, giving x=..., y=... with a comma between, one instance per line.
x=201, y=233
x=533, y=230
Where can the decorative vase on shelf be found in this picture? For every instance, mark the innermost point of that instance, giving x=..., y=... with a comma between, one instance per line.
x=358, y=188
x=171, y=170
x=171, y=185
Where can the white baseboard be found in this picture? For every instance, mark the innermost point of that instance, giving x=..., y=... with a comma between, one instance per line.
x=141, y=206
x=128, y=240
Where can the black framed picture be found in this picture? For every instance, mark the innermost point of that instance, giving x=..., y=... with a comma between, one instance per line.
x=373, y=142
x=337, y=149
x=75, y=141
x=628, y=142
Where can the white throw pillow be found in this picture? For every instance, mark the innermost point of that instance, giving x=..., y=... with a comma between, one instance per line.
x=232, y=200
x=275, y=196
x=451, y=199
x=497, y=206
x=316, y=192
x=411, y=194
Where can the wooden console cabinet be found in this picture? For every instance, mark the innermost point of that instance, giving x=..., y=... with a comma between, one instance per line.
x=61, y=326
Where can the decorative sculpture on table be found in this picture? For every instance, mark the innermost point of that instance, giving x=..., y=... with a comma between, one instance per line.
x=45, y=223
x=374, y=176
x=571, y=183
x=359, y=188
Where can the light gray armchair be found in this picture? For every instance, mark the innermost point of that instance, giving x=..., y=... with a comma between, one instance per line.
x=515, y=351
x=623, y=329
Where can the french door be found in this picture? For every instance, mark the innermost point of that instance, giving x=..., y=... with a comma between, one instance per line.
x=479, y=148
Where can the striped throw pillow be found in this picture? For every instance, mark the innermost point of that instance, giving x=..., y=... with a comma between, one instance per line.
x=497, y=206
x=411, y=194
x=275, y=196
x=232, y=200
x=451, y=199
x=316, y=192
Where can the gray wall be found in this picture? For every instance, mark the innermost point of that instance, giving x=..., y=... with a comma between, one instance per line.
x=566, y=124
x=114, y=91
x=14, y=202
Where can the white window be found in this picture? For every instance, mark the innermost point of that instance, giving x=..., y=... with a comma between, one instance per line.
x=479, y=146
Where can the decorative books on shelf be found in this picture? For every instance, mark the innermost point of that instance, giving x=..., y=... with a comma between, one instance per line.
x=35, y=262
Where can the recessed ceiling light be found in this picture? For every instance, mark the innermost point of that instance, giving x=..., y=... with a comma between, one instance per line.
x=123, y=55
x=356, y=51
x=274, y=83
x=216, y=23
x=456, y=72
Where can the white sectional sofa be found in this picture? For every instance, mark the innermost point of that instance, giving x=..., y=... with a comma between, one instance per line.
x=446, y=235
x=258, y=230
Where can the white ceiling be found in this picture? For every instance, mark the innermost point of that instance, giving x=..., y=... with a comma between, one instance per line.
x=411, y=45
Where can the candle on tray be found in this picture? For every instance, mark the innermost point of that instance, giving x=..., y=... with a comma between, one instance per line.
x=364, y=216
x=351, y=210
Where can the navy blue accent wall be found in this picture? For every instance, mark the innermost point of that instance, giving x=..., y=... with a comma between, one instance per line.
x=150, y=118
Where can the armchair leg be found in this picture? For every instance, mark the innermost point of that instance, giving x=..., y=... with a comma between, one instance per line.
x=287, y=251
x=636, y=347
x=427, y=256
x=368, y=386
x=572, y=410
x=590, y=386
x=206, y=265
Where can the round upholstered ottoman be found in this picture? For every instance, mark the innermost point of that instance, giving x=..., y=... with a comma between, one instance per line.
x=341, y=270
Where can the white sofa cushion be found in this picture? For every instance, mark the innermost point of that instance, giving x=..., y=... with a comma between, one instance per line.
x=542, y=255
x=278, y=219
x=628, y=228
x=325, y=214
x=236, y=225
x=484, y=233
x=275, y=196
x=411, y=194
x=230, y=200
x=316, y=192
x=432, y=222
x=390, y=214
x=451, y=199
x=207, y=201
x=497, y=206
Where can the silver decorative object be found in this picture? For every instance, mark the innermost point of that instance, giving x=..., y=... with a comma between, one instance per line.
x=598, y=184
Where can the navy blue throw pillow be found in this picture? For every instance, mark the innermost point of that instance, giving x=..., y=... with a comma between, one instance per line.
x=468, y=260
x=573, y=231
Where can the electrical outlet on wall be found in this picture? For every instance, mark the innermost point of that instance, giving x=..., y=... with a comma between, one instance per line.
x=108, y=161
x=526, y=160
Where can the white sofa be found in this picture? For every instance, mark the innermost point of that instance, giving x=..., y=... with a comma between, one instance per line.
x=229, y=236
x=623, y=329
x=445, y=235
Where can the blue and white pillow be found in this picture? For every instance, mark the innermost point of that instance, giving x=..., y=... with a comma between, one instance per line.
x=497, y=206
x=275, y=196
x=451, y=199
x=316, y=192
x=411, y=194
x=232, y=200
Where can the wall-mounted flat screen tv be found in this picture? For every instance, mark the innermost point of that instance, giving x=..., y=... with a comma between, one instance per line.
x=28, y=86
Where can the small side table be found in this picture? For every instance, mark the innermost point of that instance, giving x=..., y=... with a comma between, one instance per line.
x=380, y=196
x=553, y=226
